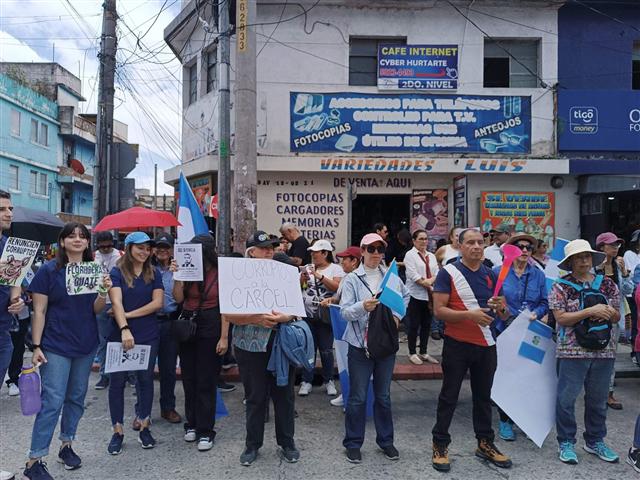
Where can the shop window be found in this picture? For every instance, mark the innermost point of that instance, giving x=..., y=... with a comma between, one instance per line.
x=15, y=122
x=516, y=69
x=193, y=83
x=635, y=66
x=211, y=70
x=14, y=179
x=363, y=59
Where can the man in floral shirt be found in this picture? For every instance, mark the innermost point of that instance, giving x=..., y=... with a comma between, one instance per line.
x=578, y=366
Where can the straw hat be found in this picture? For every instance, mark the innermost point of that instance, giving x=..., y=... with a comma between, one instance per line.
x=575, y=247
x=522, y=236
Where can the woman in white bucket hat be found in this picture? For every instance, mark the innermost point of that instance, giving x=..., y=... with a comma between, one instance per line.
x=578, y=366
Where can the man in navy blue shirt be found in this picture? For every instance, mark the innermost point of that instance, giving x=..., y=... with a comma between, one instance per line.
x=10, y=301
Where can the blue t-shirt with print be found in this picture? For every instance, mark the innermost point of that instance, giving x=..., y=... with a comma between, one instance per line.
x=144, y=329
x=70, y=327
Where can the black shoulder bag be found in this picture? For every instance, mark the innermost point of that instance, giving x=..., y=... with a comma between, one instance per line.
x=184, y=327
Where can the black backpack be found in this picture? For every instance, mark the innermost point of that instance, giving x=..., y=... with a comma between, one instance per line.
x=590, y=333
x=382, y=332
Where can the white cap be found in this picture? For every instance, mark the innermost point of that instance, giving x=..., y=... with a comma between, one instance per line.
x=320, y=245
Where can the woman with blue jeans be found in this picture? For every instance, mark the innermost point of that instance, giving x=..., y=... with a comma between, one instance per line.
x=579, y=367
x=65, y=339
x=136, y=296
x=356, y=303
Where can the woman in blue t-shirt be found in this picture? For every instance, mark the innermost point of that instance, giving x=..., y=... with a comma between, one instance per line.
x=136, y=296
x=65, y=339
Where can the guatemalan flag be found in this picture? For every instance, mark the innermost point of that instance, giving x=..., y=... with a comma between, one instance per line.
x=189, y=214
x=551, y=271
x=391, y=291
x=536, y=341
x=339, y=325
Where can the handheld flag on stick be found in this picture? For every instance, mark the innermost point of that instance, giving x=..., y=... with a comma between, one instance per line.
x=391, y=291
x=189, y=214
x=511, y=252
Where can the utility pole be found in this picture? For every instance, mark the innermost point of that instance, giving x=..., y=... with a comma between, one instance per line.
x=245, y=161
x=104, y=122
x=155, y=186
x=223, y=224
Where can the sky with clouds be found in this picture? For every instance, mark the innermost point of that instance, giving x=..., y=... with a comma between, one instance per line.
x=148, y=76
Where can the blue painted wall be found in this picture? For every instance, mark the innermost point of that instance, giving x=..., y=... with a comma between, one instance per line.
x=594, y=52
x=21, y=151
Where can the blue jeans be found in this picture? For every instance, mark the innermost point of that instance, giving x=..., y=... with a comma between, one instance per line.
x=167, y=359
x=105, y=328
x=636, y=437
x=64, y=387
x=6, y=350
x=144, y=388
x=573, y=375
x=323, y=340
x=360, y=370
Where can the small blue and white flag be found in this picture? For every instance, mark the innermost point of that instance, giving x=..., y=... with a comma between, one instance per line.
x=190, y=216
x=391, y=291
x=551, y=271
x=536, y=341
x=339, y=325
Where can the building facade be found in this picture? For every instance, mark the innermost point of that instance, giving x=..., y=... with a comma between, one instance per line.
x=47, y=149
x=599, y=111
x=416, y=114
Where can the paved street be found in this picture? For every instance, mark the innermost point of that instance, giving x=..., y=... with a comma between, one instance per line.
x=319, y=430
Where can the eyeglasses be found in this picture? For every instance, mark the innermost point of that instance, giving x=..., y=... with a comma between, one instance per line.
x=372, y=249
x=525, y=246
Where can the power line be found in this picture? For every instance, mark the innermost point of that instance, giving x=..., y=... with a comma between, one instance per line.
x=606, y=15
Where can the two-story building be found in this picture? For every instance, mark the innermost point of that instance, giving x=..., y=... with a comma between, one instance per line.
x=415, y=113
x=599, y=111
x=29, y=146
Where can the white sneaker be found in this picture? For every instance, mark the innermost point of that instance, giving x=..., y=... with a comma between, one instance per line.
x=190, y=435
x=305, y=389
x=337, y=402
x=13, y=391
x=204, y=444
x=428, y=358
x=415, y=359
x=331, y=388
x=4, y=475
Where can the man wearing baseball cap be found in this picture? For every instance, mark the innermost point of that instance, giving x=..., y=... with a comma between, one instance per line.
x=500, y=235
x=168, y=348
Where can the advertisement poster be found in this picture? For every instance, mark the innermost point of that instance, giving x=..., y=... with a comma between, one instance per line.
x=83, y=278
x=599, y=120
x=358, y=122
x=526, y=212
x=417, y=67
x=430, y=212
x=189, y=260
x=460, y=201
x=16, y=260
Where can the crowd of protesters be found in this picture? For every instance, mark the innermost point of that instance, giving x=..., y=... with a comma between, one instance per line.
x=448, y=295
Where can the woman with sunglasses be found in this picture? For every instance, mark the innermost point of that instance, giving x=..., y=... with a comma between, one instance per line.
x=525, y=288
x=614, y=268
x=357, y=301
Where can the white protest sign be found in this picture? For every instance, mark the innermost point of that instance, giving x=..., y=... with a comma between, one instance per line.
x=117, y=360
x=251, y=285
x=524, y=385
x=16, y=260
x=83, y=278
x=189, y=260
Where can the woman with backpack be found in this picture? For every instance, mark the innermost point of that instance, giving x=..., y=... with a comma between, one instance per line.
x=323, y=279
x=585, y=306
x=614, y=268
x=201, y=355
x=357, y=303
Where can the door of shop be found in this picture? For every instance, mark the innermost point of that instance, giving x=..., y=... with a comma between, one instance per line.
x=366, y=210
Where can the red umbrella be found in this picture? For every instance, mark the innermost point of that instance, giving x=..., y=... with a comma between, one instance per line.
x=136, y=218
